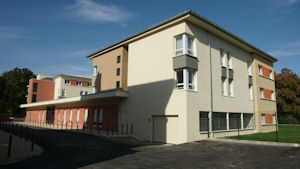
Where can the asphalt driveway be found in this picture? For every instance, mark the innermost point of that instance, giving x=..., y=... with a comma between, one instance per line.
x=63, y=149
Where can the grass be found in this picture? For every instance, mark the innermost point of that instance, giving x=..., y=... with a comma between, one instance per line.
x=286, y=134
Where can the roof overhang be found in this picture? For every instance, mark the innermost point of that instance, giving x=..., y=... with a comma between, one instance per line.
x=97, y=96
x=194, y=18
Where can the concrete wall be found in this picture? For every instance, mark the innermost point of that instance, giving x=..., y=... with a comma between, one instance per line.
x=71, y=90
x=262, y=105
x=200, y=100
x=151, y=86
x=107, y=66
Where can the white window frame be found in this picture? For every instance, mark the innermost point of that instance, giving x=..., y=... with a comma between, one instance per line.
x=224, y=86
x=79, y=83
x=231, y=91
x=261, y=93
x=272, y=95
x=67, y=82
x=251, y=92
x=86, y=113
x=271, y=74
x=229, y=60
x=95, y=70
x=260, y=70
x=185, y=49
x=63, y=92
x=186, y=85
x=249, y=66
x=262, y=119
x=223, y=58
x=65, y=116
x=70, y=116
x=274, y=119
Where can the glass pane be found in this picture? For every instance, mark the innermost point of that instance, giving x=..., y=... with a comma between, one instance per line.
x=234, y=121
x=248, y=120
x=191, y=76
x=179, y=42
x=179, y=76
x=219, y=121
x=204, y=121
x=190, y=46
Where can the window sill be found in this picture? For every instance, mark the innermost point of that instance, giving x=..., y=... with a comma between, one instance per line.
x=266, y=77
x=186, y=54
x=188, y=90
x=230, y=130
x=267, y=99
x=268, y=124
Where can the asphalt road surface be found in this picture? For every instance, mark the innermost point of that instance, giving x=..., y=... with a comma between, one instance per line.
x=63, y=149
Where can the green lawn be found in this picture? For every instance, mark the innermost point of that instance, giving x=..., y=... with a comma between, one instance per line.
x=286, y=134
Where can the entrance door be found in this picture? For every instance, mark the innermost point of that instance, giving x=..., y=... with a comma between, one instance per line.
x=50, y=115
x=165, y=128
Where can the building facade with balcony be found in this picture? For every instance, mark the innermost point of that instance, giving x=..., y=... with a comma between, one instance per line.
x=182, y=80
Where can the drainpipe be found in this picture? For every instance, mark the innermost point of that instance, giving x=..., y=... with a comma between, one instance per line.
x=211, y=90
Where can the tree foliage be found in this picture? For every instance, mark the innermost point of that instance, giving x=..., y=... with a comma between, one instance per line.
x=13, y=88
x=288, y=96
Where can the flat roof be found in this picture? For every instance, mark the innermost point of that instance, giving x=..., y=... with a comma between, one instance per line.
x=101, y=95
x=182, y=15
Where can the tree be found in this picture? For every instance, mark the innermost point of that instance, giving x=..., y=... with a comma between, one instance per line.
x=288, y=96
x=13, y=88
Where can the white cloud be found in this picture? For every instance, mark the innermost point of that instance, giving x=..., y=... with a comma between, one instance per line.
x=93, y=11
x=286, y=50
x=11, y=32
x=284, y=3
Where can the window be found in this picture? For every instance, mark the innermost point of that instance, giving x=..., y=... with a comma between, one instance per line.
x=224, y=87
x=230, y=87
x=251, y=91
x=260, y=70
x=248, y=120
x=223, y=62
x=183, y=45
x=65, y=114
x=86, y=93
x=63, y=92
x=95, y=70
x=249, y=65
x=67, y=82
x=78, y=115
x=118, y=59
x=86, y=113
x=34, y=98
x=100, y=117
x=271, y=74
x=262, y=119
x=89, y=84
x=79, y=83
x=274, y=118
x=261, y=93
x=81, y=93
x=185, y=79
x=118, y=84
x=229, y=60
x=204, y=121
x=234, y=121
x=95, y=117
x=219, y=121
x=35, y=85
x=118, y=71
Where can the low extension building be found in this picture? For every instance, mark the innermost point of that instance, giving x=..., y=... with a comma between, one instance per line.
x=182, y=80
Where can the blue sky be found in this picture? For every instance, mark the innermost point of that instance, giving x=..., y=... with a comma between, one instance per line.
x=53, y=37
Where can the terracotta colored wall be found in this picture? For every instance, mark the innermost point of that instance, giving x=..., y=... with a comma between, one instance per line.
x=73, y=82
x=268, y=118
x=84, y=83
x=45, y=90
x=35, y=116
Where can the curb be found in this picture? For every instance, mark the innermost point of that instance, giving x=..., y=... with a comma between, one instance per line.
x=266, y=143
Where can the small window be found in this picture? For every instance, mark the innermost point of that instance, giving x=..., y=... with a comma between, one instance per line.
x=219, y=121
x=179, y=80
x=224, y=86
x=179, y=45
x=67, y=82
x=95, y=70
x=260, y=70
x=274, y=118
x=204, y=121
x=81, y=93
x=118, y=72
x=272, y=95
x=185, y=79
x=261, y=93
x=63, y=92
x=79, y=83
x=271, y=74
x=89, y=84
x=223, y=62
x=191, y=79
x=229, y=60
x=35, y=85
x=249, y=68
x=34, y=98
x=118, y=59
x=86, y=93
x=230, y=87
x=251, y=91
x=190, y=46
x=118, y=84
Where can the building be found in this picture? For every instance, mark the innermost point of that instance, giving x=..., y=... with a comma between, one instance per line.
x=182, y=80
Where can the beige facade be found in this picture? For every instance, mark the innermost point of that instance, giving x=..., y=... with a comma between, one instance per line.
x=106, y=77
x=69, y=89
x=263, y=106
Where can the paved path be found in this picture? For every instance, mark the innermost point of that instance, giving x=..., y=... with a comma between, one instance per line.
x=77, y=150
